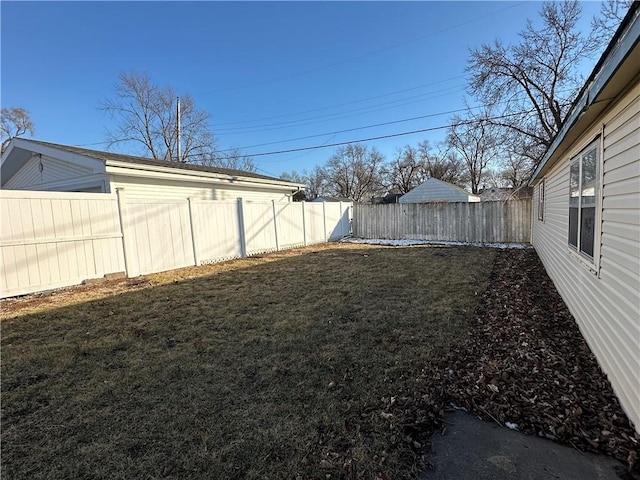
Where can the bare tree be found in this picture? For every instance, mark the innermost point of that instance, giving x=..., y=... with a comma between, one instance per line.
x=315, y=181
x=612, y=12
x=234, y=159
x=145, y=115
x=534, y=81
x=443, y=164
x=515, y=171
x=477, y=143
x=354, y=172
x=15, y=123
x=406, y=171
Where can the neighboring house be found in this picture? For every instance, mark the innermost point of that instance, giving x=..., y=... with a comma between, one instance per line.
x=34, y=165
x=586, y=218
x=391, y=197
x=331, y=199
x=492, y=194
x=434, y=190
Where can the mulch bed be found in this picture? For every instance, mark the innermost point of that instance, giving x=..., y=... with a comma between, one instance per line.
x=526, y=363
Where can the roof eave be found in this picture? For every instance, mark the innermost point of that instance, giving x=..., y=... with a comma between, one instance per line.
x=201, y=174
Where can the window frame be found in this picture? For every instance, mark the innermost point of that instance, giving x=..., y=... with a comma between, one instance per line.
x=591, y=262
x=541, y=201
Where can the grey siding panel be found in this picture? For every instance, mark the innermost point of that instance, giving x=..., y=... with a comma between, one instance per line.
x=604, y=302
x=38, y=172
x=434, y=190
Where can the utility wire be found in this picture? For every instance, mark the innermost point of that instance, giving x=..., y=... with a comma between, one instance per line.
x=382, y=137
x=339, y=104
x=346, y=114
x=374, y=125
x=353, y=129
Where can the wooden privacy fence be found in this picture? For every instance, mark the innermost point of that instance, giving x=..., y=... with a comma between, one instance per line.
x=479, y=222
x=53, y=239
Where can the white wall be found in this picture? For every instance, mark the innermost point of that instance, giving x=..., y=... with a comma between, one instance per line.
x=605, y=301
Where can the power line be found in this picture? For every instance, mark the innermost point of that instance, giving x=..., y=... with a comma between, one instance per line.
x=347, y=114
x=340, y=104
x=354, y=129
x=373, y=125
x=382, y=137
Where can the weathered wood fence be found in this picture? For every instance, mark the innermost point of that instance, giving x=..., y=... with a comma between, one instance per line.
x=53, y=239
x=481, y=222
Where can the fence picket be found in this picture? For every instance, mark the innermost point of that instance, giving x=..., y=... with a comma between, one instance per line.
x=55, y=239
x=483, y=222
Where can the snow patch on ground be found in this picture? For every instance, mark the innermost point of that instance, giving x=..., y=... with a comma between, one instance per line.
x=408, y=243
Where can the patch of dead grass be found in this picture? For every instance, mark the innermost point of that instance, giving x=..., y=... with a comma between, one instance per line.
x=272, y=367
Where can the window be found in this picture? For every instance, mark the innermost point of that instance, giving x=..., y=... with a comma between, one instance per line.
x=541, y=200
x=583, y=186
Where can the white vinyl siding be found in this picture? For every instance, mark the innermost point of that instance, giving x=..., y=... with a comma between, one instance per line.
x=141, y=187
x=45, y=173
x=605, y=302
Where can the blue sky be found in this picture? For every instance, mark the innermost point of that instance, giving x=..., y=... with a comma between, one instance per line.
x=266, y=72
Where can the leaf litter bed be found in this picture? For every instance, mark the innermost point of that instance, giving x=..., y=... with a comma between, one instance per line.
x=527, y=367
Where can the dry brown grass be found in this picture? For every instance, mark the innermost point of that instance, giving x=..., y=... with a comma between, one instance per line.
x=275, y=367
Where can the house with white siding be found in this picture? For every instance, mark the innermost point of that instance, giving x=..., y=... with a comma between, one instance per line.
x=586, y=214
x=34, y=165
x=434, y=190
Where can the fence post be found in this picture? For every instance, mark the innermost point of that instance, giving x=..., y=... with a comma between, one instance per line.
x=243, y=235
x=120, y=194
x=304, y=223
x=275, y=223
x=324, y=220
x=194, y=244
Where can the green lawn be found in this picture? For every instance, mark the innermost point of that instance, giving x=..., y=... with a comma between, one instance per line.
x=295, y=365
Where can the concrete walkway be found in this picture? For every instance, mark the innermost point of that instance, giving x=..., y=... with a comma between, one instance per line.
x=478, y=450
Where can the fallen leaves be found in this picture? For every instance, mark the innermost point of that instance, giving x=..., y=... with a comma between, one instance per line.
x=527, y=364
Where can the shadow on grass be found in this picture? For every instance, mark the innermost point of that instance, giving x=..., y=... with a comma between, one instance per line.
x=283, y=369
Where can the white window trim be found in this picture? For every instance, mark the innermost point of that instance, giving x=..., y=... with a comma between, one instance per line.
x=541, y=200
x=591, y=264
